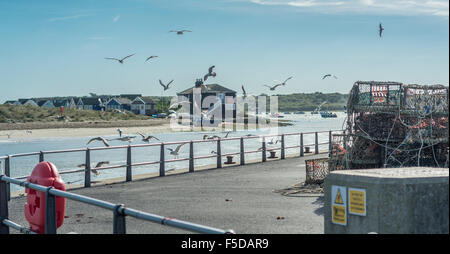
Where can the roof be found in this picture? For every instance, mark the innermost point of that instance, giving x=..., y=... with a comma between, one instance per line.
x=121, y=100
x=90, y=100
x=213, y=88
x=145, y=99
x=42, y=102
x=10, y=102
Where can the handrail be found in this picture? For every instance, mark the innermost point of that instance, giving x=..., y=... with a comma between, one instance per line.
x=120, y=209
x=162, y=160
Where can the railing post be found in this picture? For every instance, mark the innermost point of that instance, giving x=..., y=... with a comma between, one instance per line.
x=330, y=145
x=242, y=152
x=41, y=156
x=264, y=149
x=119, y=224
x=87, y=171
x=8, y=174
x=282, y=147
x=50, y=212
x=3, y=206
x=162, y=166
x=191, y=156
x=316, y=143
x=219, y=154
x=128, y=174
x=302, y=149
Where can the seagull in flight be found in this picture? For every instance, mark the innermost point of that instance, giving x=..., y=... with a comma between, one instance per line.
x=329, y=75
x=101, y=163
x=277, y=85
x=210, y=73
x=124, y=139
x=380, y=30
x=179, y=32
x=272, y=143
x=206, y=136
x=147, y=138
x=120, y=60
x=150, y=57
x=244, y=92
x=98, y=139
x=165, y=86
x=175, y=152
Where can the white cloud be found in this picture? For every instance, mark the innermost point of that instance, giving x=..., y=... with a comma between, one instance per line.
x=401, y=7
x=116, y=18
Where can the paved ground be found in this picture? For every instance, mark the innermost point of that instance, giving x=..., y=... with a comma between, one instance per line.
x=200, y=197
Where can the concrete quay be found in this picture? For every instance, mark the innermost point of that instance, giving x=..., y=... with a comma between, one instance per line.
x=241, y=198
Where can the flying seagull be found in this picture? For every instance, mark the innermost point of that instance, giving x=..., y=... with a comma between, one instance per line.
x=150, y=57
x=243, y=91
x=100, y=164
x=380, y=29
x=147, y=139
x=272, y=88
x=277, y=85
x=179, y=32
x=210, y=73
x=271, y=142
x=125, y=139
x=98, y=139
x=329, y=75
x=165, y=86
x=206, y=136
x=175, y=152
x=120, y=60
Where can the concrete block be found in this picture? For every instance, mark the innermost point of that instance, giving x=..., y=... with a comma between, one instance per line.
x=398, y=201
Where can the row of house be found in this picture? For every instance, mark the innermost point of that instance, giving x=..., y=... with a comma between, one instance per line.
x=136, y=103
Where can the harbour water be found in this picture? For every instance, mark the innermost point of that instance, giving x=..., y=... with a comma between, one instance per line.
x=22, y=166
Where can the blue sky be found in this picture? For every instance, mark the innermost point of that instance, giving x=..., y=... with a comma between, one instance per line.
x=57, y=48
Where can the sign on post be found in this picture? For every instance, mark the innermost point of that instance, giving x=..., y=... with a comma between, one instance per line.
x=339, y=205
x=357, y=201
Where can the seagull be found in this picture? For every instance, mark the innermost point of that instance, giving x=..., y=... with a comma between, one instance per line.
x=271, y=142
x=329, y=75
x=272, y=88
x=125, y=139
x=147, y=139
x=280, y=84
x=120, y=132
x=120, y=60
x=165, y=86
x=206, y=136
x=177, y=104
x=227, y=134
x=381, y=28
x=150, y=57
x=243, y=91
x=101, y=163
x=179, y=32
x=213, y=152
x=175, y=152
x=210, y=73
x=98, y=139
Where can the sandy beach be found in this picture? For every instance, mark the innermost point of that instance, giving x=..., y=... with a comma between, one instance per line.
x=43, y=130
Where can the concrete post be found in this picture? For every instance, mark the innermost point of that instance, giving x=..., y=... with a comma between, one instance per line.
x=87, y=171
x=129, y=173
x=219, y=154
x=191, y=156
x=242, y=152
x=162, y=166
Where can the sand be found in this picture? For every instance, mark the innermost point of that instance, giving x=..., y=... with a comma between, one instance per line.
x=37, y=130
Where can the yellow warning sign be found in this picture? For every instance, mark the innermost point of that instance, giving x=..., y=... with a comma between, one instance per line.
x=338, y=199
x=338, y=215
x=357, y=201
x=339, y=205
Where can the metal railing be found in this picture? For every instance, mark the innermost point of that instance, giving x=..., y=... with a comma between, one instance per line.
x=119, y=211
x=162, y=161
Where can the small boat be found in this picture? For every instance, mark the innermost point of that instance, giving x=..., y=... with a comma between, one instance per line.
x=325, y=114
x=299, y=113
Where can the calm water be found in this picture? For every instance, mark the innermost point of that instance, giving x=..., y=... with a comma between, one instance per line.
x=23, y=166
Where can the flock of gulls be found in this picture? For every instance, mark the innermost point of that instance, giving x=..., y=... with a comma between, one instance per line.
x=211, y=73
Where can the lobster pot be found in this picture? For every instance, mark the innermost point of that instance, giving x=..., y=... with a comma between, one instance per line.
x=316, y=170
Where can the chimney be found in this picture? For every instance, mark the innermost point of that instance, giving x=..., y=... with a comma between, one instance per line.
x=198, y=83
